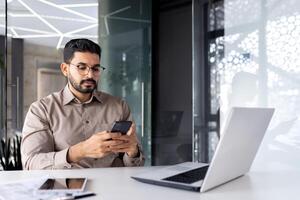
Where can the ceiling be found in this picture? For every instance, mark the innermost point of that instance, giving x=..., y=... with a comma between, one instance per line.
x=50, y=22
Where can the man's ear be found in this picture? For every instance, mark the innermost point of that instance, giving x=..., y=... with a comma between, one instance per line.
x=64, y=69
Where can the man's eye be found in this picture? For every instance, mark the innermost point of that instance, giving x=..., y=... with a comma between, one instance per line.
x=82, y=67
x=96, y=69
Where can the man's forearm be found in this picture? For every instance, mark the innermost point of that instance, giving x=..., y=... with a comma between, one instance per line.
x=50, y=160
x=75, y=153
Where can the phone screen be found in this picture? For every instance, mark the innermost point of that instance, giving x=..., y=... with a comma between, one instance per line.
x=64, y=184
x=121, y=126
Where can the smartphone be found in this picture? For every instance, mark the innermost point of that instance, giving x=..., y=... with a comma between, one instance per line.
x=121, y=127
x=63, y=185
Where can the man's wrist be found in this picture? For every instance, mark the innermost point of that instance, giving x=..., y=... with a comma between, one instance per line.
x=75, y=153
x=134, y=154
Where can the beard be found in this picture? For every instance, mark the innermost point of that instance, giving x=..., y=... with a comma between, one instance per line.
x=79, y=86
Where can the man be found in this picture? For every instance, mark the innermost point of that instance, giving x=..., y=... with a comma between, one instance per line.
x=70, y=128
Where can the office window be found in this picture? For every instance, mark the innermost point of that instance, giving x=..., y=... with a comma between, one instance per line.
x=249, y=60
x=261, y=68
x=208, y=48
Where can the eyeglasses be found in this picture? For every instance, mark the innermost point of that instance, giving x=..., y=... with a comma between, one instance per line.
x=84, y=69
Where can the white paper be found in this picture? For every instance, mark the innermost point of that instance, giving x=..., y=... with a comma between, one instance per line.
x=27, y=190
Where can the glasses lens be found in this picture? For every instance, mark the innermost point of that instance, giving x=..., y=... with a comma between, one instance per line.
x=95, y=70
x=83, y=69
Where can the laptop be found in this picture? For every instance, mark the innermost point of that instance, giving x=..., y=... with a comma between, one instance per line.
x=240, y=139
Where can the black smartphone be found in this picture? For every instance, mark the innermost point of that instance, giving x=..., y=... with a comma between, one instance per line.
x=121, y=127
x=63, y=185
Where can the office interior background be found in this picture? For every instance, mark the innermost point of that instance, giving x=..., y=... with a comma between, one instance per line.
x=180, y=64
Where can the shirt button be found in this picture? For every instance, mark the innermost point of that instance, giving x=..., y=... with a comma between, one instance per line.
x=87, y=121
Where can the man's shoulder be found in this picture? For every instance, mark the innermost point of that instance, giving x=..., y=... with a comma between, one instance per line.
x=108, y=98
x=53, y=98
x=116, y=105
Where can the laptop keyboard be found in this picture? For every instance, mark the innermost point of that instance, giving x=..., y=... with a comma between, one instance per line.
x=189, y=176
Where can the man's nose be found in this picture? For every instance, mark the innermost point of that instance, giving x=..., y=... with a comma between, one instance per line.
x=90, y=73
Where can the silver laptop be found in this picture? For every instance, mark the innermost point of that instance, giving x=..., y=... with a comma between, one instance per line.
x=240, y=139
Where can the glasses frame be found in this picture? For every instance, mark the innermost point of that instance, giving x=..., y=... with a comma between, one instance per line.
x=90, y=68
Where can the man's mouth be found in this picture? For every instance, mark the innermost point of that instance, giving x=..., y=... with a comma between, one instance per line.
x=89, y=82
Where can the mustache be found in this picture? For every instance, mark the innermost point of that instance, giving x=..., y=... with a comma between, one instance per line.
x=88, y=80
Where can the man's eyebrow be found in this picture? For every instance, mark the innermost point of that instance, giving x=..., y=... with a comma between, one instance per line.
x=96, y=65
x=82, y=63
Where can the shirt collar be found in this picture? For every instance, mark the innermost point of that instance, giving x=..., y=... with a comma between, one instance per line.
x=68, y=96
x=98, y=96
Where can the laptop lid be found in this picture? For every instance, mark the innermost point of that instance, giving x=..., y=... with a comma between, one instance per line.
x=239, y=143
x=240, y=139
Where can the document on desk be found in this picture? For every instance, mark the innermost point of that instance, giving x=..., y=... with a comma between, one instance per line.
x=27, y=190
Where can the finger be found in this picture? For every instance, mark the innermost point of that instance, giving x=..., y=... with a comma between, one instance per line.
x=118, y=149
x=124, y=150
x=115, y=135
x=108, y=136
x=103, y=135
x=112, y=143
x=99, y=154
x=131, y=131
x=105, y=149
x=101, y=132
x=125, y=138
x=123, y=146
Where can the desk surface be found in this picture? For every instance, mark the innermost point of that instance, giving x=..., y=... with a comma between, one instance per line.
x=115, y=183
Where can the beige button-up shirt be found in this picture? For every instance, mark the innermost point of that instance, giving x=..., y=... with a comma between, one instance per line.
x=58, y=121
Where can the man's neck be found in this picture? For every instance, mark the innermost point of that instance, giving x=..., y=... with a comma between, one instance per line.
x=82, y=97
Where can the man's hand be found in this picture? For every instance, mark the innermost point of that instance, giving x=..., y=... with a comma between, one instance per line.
x=97, y=146
x=129, y=143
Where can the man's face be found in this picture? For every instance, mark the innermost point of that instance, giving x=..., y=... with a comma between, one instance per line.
x=84, y=81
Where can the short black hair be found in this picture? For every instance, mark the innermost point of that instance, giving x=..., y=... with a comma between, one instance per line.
x=80, y=45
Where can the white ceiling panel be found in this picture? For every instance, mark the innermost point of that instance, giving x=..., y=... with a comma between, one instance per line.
x=46, y=7
x=91, y=10
x=29, y=23
x=88, y=30
x=51, y=22
x=65, y=25
x=64, y=2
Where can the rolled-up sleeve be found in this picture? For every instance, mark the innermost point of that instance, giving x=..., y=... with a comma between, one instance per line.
x=37, y=147
x=139, y=160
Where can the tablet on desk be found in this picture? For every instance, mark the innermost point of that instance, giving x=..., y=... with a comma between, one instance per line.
x=63, y=185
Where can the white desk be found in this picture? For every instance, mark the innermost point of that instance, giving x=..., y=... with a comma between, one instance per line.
x=115, y=183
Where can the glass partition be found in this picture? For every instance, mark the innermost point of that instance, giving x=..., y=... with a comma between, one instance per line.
x=2, y=68
x=37, y=31
x=125, y=37
x=3, y=76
